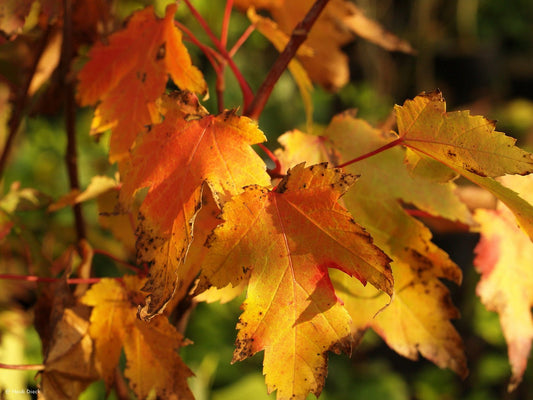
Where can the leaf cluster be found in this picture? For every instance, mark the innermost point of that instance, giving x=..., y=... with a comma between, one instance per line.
x=326, y=244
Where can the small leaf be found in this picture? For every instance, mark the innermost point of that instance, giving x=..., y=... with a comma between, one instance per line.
x=127, y=83
x=458, y=139
x=151, y=349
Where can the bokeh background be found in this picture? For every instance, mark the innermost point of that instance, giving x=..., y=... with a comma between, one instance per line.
x=479, y=53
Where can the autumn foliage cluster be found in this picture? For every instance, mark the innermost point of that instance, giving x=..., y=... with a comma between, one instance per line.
x=325, y=243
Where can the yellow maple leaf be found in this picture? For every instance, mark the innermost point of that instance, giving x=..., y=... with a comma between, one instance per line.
x=153, y=363
x=418, y=263
x=284, y=241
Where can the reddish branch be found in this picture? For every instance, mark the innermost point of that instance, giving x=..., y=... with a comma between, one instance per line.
x=70, y=116
x=247, y=93
x=298, y=36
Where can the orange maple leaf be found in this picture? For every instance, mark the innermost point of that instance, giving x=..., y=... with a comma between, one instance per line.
x=151, y=349
x=175, y=160
x=127, y=83
x=285, y=241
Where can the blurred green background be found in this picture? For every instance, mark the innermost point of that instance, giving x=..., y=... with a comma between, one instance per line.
x=478, y=52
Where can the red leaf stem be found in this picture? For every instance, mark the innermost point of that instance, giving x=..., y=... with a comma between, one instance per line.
x=395, y=142
x=240, y=41
x=276, y=171
x=225, y=23
x=40, y=279
x=23, y=367
x=298, y=36
x=247, y=93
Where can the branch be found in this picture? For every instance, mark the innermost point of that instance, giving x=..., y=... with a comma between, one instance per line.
x=247, y=93
x=225, y=23
x=71, y=157
x=298, y=36
x=22, y=99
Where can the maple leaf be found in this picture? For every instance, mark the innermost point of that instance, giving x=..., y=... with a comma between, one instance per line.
x=127, y=83
x=458, y=139
x=284, y=241
x=335, y=27
x=63, y=325
x=504, y=256
x=374, y=202
x=153, y=363
x=175, y=160
x=467, y=144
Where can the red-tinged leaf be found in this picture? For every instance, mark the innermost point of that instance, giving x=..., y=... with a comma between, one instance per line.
x=458, y=139
x=175, y=159
x=284, y=241
x=504, y=256
x=127, y=83
x=374, y=202
x=153, y=363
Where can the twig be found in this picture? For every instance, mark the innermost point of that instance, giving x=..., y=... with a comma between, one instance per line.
x=70, y=116
x=225, y=23
x=22, y=100
x=298, y=36
x=395, y=142
x=117, y=260
x=23, y=367
x=247, y=93
x=41, y=279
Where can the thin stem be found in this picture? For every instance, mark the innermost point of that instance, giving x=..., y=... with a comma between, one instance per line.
x=210, y=53
x=203, y=23
x=276, y=171
x=247, y=93
x=71, y=157
x=298, y=36
x=225, y=23
x=395, y=142
x=22, y=100
x=117, y=260
x=40, y=279
x=240, y=41
x=23, y=367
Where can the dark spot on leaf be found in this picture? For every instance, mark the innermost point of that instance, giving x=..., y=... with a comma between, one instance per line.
x=161, y=51
x=141, y=76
